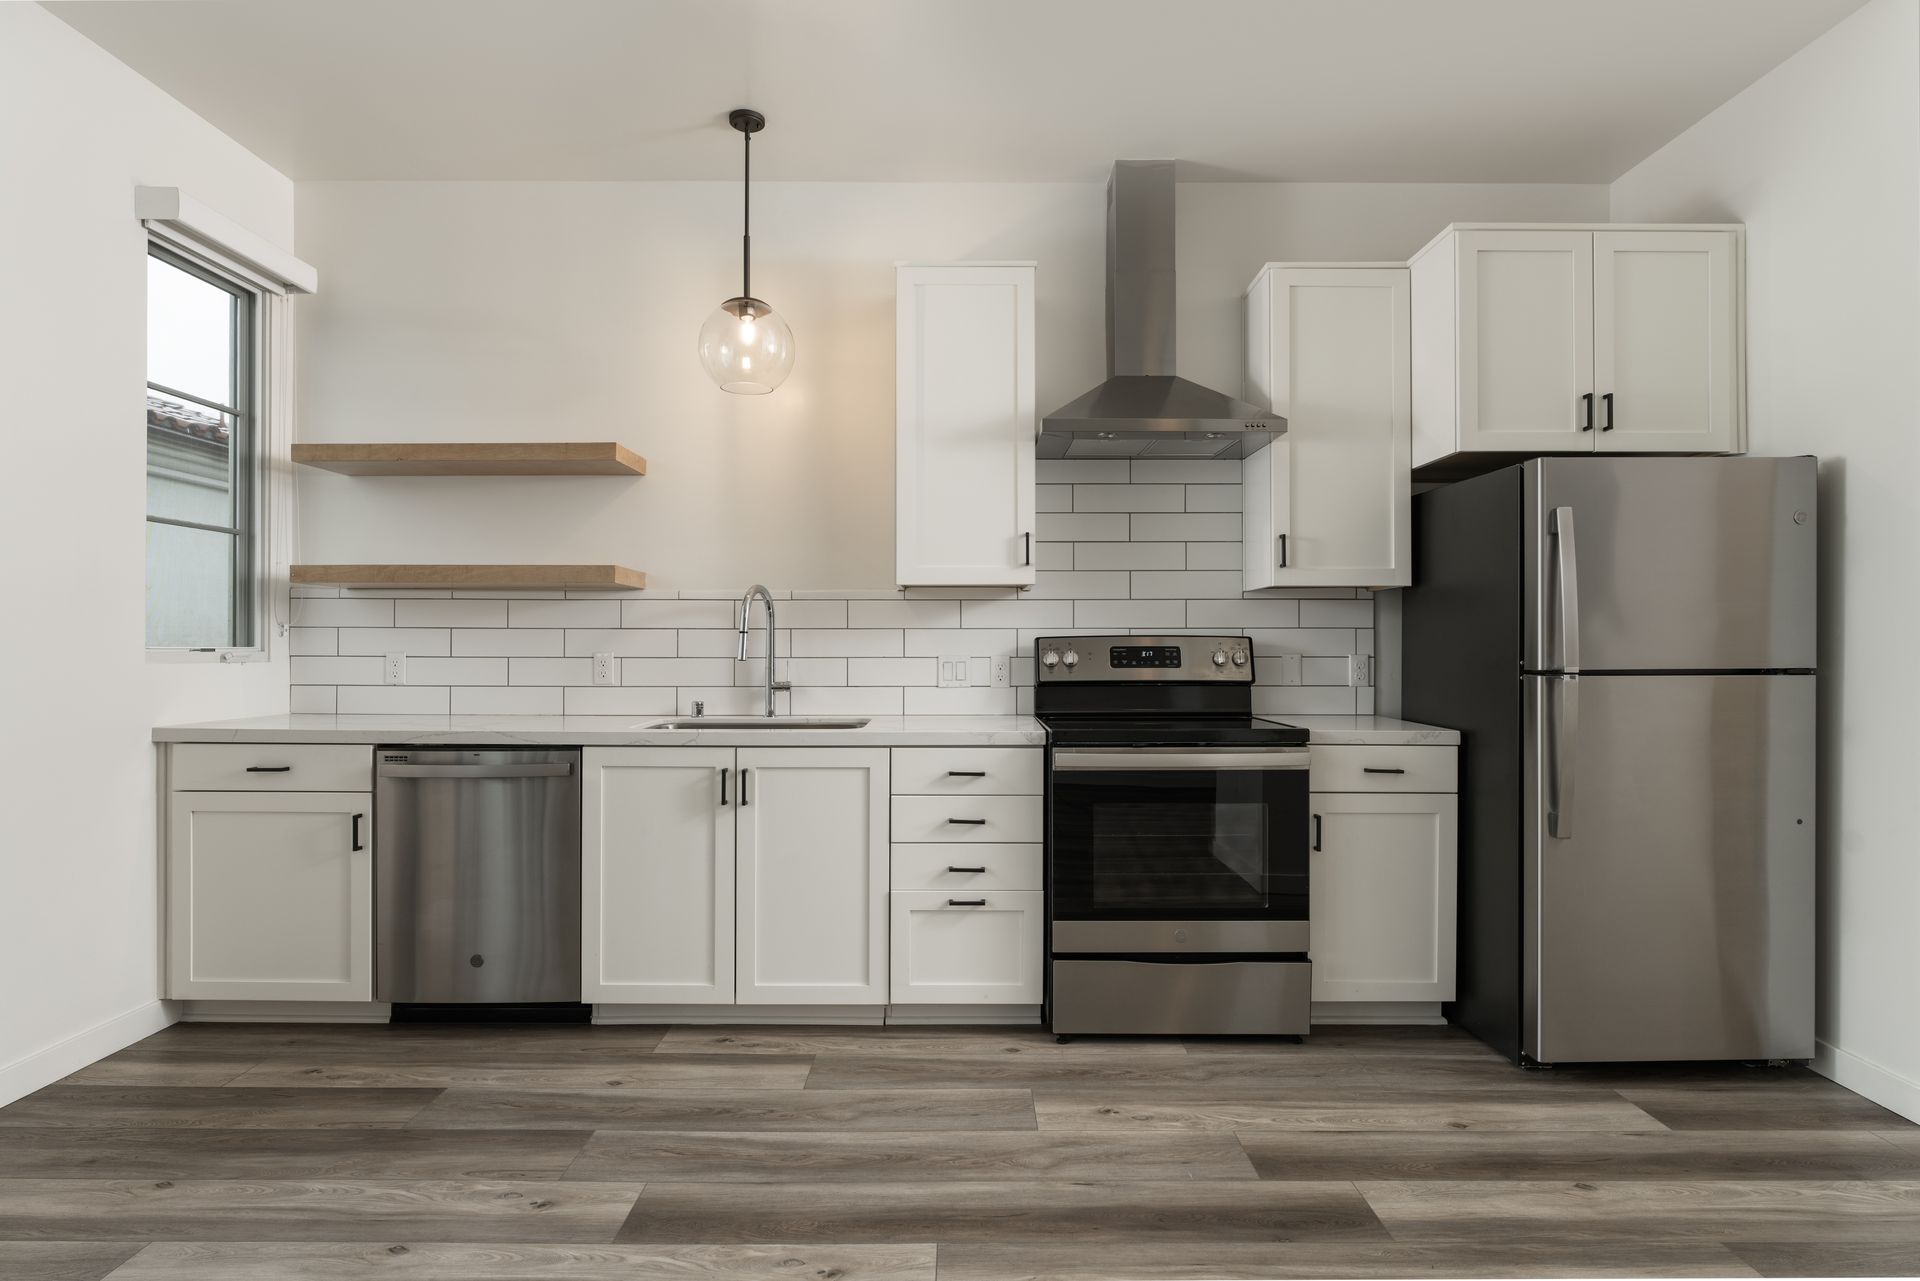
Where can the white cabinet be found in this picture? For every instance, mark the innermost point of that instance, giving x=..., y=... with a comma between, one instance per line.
x=657, y=871
x=270, y=895
x=1384, y=884
x=971, y=947
x=964, y=424
x=812, y=830
x=1576, y=339
x=715, y=876
x=1327, y=504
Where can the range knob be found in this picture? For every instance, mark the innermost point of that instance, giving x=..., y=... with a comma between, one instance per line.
x=1072, y=659
x=1050, y=658
x=1239, y=658
x=1219, y=658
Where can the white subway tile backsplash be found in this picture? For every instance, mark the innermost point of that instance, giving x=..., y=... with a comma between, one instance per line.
x=1121, y=615
x=1192, y=527
x=1243, y=613
x=1302, y=640
x=1302, y=700
x=460, y=671
x=1053, y=498
x=670, y=671
x=336, y=671
x=819, y=671
x=508, y=700
x=1128, y=555
x=711, y=643
x=1016, y=613
x=1214, y=556
x=451, y=613
x=340, y=612
x=563, y=613
x=872, y=700
x=1184, y=583
x=1080, y=585
x=679, y=613
x=311, y=698
x=1085, y=527
x=313, y=640
x=557, y=671
x=851, y=642
x=393, y=700
x=1056, y=555
x=805, y=613
x=903, y=613
x=1129, y=498
x=1197, y=471
x=601, y=700
x=934, y=641
x=1213, y=498
x=730, y=701
x=893, y=671
x=964, y=701
x=1061, y=471
x=509, y=642
x=431, y=641
x=1336, y=613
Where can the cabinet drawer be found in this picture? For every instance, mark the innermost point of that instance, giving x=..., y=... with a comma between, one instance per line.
x=941, y=867
x=271, y=767
x=967, y=949
x=966, y=818
x=1384, y=769
x=967, y=771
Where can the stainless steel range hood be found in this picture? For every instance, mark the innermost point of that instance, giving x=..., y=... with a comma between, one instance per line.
x=1144, y=409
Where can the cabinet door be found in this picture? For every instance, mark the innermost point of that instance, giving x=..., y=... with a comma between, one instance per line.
x=657, y=875
x=1328, y=503
x=964, y=494
x=963, y=947
x=270, y=896
x=1665, y=331
x=1525, y=340
x=1383, y=898
x=813, y=876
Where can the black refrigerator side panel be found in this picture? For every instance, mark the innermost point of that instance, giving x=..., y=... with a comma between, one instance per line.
x=1461, y=646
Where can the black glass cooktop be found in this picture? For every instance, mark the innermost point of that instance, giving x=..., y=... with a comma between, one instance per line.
x=1171, y=731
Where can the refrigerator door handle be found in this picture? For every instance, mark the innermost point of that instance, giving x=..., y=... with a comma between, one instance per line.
x=1566, y=572
x=1563, y=731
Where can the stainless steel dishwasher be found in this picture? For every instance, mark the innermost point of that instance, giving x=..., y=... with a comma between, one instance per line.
x=476, y=876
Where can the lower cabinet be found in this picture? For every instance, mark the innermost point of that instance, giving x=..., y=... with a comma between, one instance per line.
x=270, y=896
x=1383, y=900
x=967, y=947
x=714, y=876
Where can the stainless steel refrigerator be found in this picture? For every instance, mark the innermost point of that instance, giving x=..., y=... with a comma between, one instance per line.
x=1627, y=645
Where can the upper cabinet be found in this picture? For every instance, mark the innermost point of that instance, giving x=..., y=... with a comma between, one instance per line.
x=1327, y=504
x=965, y=421
x=1590, y=339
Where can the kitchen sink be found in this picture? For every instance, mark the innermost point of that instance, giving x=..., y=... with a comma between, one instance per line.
x=762, y=722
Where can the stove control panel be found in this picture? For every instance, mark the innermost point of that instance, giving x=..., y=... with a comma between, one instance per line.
x=1086, y=659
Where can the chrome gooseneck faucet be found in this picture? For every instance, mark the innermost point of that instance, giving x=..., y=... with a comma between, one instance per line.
x=746, y=615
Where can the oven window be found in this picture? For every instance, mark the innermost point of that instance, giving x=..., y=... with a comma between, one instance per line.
x=1180, y=845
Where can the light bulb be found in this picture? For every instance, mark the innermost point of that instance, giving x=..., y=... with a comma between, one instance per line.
x=746, y=332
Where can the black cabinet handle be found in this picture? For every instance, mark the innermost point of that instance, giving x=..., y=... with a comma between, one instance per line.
x=951, y=868
x=269, y=769
x=1609, y=423
x=1381, y=769
x=1027, y=538
x=1283, y=551
x=1316, y=831
x=966, y=773
x=743, y=788
x=969, y=822
x=966, y=902
x=723, y=786
x=358, y=844
x=1588, y=398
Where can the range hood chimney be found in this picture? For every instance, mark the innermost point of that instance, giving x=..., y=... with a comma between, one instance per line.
x=1144, y=409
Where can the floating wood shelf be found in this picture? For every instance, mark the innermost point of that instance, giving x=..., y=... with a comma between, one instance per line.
x=577, y=578
x=544, y=458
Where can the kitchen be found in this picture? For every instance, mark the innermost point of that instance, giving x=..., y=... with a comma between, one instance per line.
x=778, y=934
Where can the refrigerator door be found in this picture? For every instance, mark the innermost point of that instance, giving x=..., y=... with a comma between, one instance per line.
x=1671, y=917
x=1670, y=564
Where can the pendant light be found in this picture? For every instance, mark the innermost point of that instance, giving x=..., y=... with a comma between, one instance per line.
x=745, y=346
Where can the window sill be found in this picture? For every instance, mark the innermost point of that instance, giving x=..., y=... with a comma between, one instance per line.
x=228, y=656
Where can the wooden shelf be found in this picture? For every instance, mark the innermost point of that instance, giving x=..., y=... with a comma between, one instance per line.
x=542, y=458
x=577, y=578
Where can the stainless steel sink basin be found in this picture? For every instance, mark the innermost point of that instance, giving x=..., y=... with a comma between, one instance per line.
x=762, y=722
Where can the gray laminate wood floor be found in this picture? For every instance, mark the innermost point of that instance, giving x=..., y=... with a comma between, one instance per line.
x=221, y=1152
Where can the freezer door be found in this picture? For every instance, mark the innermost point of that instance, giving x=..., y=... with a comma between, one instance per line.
x=1681, y=564
x=1669, y=909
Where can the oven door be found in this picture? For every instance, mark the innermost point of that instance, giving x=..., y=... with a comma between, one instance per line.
x=1170, y=850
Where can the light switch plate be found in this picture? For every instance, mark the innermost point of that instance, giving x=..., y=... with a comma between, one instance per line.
x=953, y=671
x=395, y=670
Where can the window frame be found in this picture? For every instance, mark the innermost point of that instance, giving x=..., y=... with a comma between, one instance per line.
x=250, y=452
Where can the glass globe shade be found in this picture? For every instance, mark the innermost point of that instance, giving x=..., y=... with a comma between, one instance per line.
x=746, y=348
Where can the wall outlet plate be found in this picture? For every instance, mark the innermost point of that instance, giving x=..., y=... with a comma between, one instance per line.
x=1289, y=665
x=1002, y=665
x=1360, y=670
x=953, y=671
x=604, y=672
x=394, y=672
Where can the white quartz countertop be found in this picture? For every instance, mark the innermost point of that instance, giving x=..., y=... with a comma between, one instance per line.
x=600, y=731
x=632, y=731
x=1376, y=731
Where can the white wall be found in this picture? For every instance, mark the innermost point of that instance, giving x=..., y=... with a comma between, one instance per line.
x=77, y=870
x=1821, y=160
x=512, y=311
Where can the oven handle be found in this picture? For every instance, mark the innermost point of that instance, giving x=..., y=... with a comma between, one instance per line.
x=1183, y=758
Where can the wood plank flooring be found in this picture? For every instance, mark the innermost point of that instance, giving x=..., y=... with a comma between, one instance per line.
x=419, y=1153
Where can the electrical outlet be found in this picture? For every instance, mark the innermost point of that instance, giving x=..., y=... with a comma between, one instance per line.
x=396, y=669
x=603, y=670
x=1360, y=670
x=1003, y=671
x=953, y=671
x=1289, y=669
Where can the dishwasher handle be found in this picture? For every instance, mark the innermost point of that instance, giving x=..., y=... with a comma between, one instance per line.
x=562, y=769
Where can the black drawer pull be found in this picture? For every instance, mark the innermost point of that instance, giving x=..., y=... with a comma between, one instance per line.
x=1380, y=769
x=358, y=844
x=969, y=822
x=1587, y=399
x=951, y=868
x=966, y=773
x=966, y=902
x=1316, y=832
x=1609, y=399
x=269, y=769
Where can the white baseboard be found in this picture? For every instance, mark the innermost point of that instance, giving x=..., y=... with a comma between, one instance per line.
x=63, y=1058
x=285, y=1012
x=1868, y=1079
x=963, y=1015
x=1393, y=1013
x=745, y=1015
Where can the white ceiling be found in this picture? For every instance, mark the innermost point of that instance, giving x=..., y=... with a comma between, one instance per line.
x=1014, y=90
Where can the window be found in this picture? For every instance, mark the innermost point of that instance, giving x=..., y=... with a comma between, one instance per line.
x=203, y=447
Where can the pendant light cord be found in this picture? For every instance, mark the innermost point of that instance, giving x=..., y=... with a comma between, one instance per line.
x=746, y=219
